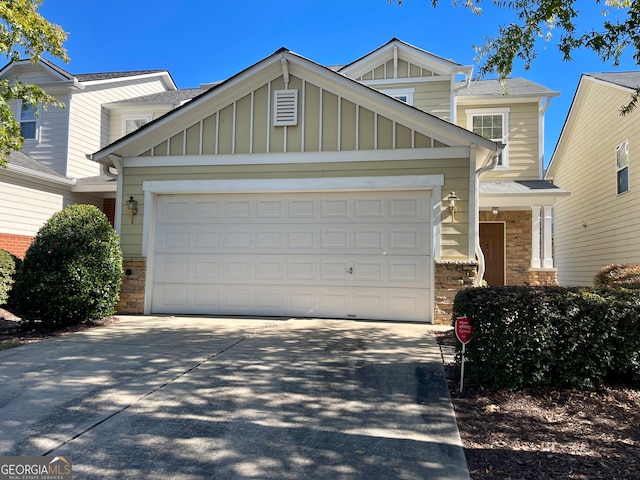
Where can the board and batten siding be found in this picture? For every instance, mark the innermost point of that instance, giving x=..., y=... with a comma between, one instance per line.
x=454, y=236
x=88, y=123
x=595, y=226
x=524, y=146
x=327, y=123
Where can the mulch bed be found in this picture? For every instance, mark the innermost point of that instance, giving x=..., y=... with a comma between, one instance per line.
x=547, y=433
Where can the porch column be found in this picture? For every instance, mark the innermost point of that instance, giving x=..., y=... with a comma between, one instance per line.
x=535, y=236
x=547, y=250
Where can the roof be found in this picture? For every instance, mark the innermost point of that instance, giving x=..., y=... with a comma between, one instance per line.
x=91, y=77
x=623, y=79
x=518, y=87
x=520, y=187
x=170, y=96
x=19, y=159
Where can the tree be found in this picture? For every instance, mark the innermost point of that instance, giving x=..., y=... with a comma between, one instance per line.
x=541, y=19
x=24, y=33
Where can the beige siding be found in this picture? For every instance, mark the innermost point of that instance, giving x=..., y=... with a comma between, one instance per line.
x=433, y=97
x=88, y=122
x=25, y=207
x=116, y=121
x=454, y=235
x=326, y=122
x=595, y=226
x=51, y=147
x=524, y=147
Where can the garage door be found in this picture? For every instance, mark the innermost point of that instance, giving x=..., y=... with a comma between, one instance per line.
x=332, y=255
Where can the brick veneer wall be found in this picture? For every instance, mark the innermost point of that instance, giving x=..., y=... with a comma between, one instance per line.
x=450, y=277
x=109, y=209
x=15, y=244
x=133, y=284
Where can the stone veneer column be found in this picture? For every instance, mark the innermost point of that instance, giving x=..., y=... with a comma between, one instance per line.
x=133, y=284
x=450, y=277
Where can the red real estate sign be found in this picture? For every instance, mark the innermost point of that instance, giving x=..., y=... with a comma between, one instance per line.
x=464, y=329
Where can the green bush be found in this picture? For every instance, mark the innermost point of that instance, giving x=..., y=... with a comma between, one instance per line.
x=9, y=265
x=535, y=336
x=73, y=270
x=616, y=275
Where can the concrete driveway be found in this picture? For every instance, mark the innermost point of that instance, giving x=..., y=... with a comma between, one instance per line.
x=234, y=398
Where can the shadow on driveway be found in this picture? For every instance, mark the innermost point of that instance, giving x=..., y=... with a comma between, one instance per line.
x=230, y=398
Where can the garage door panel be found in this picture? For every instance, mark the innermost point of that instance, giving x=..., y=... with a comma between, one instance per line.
x=342, y=254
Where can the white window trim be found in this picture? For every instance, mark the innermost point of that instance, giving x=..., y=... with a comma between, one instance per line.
x=618, y=170
x=38, y=112
x=148, y=118
x=504, y=111
x=400, y=92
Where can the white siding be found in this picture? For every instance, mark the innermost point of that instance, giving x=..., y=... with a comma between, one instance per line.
x=25, y=208
x=595, y=226
x=88, y=125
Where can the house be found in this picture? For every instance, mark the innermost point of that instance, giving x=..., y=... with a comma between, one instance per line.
x=52, y=170
x=374, y=190
x=599, y=224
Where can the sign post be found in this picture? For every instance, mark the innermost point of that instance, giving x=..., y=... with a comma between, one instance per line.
x=464, y=329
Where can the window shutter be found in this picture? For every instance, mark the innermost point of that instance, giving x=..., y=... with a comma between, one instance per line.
x=286, y=108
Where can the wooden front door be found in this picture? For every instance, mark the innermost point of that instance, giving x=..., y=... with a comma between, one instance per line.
x=492, y=243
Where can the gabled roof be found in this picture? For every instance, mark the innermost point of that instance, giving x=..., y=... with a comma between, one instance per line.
x=268, y=69
x=629, y=80
x=418, y=56
x=92, y=77
x=173, y=97
x=517, y=87
x=24, y=164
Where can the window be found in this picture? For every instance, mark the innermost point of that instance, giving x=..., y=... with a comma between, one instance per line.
x=28, y=122
x=403, y=94
x=622, y=166
x=131, y=124
x=492, y=123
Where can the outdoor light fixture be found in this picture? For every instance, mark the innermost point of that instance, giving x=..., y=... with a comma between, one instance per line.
x=453, y=199
x=495, y=211
x=132, y=205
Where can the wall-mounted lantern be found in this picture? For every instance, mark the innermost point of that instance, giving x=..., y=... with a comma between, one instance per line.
x=453, y=200
x=132, y=205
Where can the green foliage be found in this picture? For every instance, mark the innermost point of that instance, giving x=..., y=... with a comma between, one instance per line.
x=616, y=275
x=536, y=22
x=23, y=31
x=72, y=271
x=9, y=265
x=551, y=336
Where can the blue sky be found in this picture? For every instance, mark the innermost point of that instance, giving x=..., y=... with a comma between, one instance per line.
x=209, y=40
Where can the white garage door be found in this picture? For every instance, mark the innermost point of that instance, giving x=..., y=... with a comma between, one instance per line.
x=342, y=255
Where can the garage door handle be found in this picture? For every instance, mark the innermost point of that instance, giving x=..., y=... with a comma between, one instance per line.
x=350, y=270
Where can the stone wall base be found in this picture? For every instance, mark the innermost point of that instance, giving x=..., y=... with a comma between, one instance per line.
x=450, y=277
x=543, y=277
x=133, y=284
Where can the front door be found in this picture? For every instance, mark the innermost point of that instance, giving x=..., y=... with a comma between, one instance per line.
x=492, y=243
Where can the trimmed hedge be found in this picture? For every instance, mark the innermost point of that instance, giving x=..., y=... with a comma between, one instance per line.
x=72, y=271
x=554, y=336
x=9, y=265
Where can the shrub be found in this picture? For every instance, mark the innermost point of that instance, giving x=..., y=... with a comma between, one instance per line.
x=9, y=265
x=534, y=336
x=73, y=270
x=616, y=275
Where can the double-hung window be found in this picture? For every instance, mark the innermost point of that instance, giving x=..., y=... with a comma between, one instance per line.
x=622, y=166
x=28, y=121
x=492, y=123
x=131, y=124
x=403, y=94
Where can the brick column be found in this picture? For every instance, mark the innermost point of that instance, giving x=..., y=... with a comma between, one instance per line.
x=450, y=277
x=133, y=284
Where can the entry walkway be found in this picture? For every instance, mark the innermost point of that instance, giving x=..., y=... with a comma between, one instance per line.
x=232, y=398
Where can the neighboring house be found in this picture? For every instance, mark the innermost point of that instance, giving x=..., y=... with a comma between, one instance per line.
x=596, y=159
x=292, y=189
x=52, y=170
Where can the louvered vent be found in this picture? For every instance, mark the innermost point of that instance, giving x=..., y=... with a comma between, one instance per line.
x=286, y=108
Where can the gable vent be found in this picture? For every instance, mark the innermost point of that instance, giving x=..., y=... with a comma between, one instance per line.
x=286, y=108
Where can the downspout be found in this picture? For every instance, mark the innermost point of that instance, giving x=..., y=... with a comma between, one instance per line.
x=541, y=112
x=117, y=163
x=454, y=91
x=478, y=247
